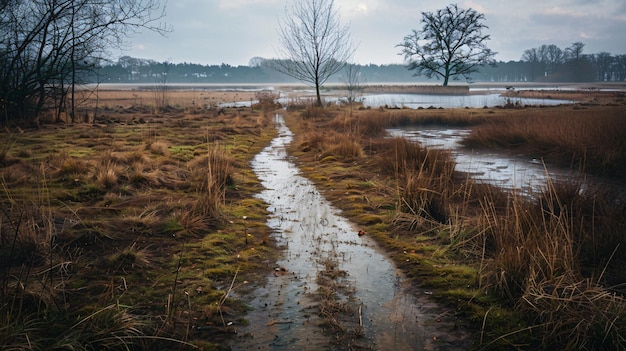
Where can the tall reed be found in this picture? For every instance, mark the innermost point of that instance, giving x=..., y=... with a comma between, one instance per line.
x=556, y=259
x=424, y=178
x=550, y=258
x=585, y=140
x=212, y=176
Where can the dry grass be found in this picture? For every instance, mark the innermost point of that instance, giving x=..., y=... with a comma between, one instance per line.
x=340, y=146
x=104, y=224
x=146, y=97
x=547, y=268
x=424, y=179
x=211, y=175
x=589, y=96
x=557, y=259
x=588, y=140
x=108, y=230
x=574, y=314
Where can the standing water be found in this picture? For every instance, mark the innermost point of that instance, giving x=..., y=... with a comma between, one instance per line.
x=505, y=170
x=416, y=101
x=322, y=252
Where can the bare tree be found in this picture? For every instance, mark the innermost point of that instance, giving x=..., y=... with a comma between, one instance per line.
x=450, y=44
x=161, y=88
x=552, y=56
x=577, y=65
x=604, y=61
x=536, y=66
x=575, y=52
x=620, y=68
x=256, y=61
x=314, y=44
x=353, y=80
x=46, y=44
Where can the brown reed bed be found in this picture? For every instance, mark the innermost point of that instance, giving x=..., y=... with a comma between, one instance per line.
x=542, y=271
x=557, y=259
x=589, y=140
x=590, y=95
x=145, y=97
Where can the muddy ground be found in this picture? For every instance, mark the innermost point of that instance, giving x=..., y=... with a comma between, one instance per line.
x=136, y=239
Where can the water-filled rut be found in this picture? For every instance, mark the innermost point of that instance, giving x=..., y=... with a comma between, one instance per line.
x=332, y=288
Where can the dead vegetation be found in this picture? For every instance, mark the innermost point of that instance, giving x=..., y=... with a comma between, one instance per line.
x=341, y=314
x=529, y=271
x=134, y=229
x=123, y=233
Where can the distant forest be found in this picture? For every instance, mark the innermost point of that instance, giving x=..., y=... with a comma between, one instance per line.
x=546, y=63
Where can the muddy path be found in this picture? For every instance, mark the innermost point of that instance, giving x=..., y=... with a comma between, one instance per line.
x=332, y=288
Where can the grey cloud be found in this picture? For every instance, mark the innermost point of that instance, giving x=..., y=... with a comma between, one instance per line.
x=207, y=33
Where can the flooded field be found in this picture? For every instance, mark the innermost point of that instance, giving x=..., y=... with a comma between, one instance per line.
x=415, y=101
x=503, y=169
x=327, y=265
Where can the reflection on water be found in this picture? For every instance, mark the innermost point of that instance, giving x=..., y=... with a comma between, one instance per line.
x=505, y=170
x=311, y=230
x=415, y=101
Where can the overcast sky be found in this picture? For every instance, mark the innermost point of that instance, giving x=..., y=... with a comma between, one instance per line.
x=234, y=31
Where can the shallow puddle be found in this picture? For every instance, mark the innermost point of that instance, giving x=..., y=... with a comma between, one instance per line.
x=319, y=243
x=504, y=170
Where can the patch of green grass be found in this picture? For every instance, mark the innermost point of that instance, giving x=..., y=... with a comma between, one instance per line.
x=251, y=208
x=172, y=226
x=371, y=219
x=78, y=152
x=184, y=152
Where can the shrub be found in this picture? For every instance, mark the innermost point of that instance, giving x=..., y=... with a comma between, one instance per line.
x=267, y=100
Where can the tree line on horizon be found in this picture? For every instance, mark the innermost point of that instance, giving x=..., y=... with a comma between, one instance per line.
x=545, y=64
x=48, y=47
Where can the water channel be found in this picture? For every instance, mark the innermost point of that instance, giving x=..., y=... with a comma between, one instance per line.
x=499, y=168
x=314, y=235
x=506, y=170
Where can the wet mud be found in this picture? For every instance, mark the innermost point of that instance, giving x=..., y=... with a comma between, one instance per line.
x=333, y=289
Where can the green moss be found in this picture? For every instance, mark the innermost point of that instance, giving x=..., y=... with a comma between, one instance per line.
x=252, y=208
x=183, y=152
x=172, y=226
x=371, y=219
x=78, y=152
x=365, y=185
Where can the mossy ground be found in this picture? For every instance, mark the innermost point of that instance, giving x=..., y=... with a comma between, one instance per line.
x=120, y=212
x=121, y=232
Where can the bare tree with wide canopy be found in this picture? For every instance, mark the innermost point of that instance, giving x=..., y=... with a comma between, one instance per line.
x=450, y=44
x=314, y=44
